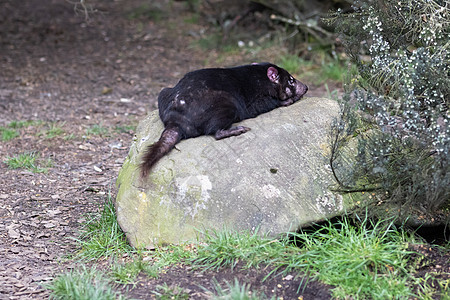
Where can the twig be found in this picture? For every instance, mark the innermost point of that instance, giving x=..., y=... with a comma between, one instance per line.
x=84, y=8
x=299, y=23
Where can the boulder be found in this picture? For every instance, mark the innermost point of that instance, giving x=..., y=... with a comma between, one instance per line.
x=274, y=178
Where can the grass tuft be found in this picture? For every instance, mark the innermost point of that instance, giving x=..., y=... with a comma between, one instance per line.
x=125, y=128
x=334, y=70
x=227, y=248
x=316, y=72
x=53, y=130
x=97, y=129
x=166, y=292
x=8, y=134
x=82, y=284
x=293, y=64
x=366, y=261
x=235, y=291
x=27, y=161
x=162, y=257
x=126, y=273
x=102, y=235
x=22, y=124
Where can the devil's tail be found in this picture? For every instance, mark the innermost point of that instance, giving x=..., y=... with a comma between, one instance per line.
x=169, y=138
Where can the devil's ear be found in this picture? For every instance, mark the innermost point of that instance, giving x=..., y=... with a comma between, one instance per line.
x=272, y=74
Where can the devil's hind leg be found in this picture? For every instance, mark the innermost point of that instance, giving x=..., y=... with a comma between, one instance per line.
x=220, y=120
x=233, y=131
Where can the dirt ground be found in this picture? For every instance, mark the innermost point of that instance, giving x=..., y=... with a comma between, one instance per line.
x=99, y=72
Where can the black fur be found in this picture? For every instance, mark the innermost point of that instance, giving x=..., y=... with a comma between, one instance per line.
x=209, y=101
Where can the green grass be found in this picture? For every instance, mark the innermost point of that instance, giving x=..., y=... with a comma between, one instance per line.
x=82, y=284
x=235, y=291
x=69, y=137
x=166, y=292
x=162, y=257
x=427, y=288
x=97, y=129
x=52, y=130
x=209, y=42
x=10, y=131
x=147, y=12
x=293, y=64
x=331, y=94
x=150, y=264
x=316, y=72
x=22, y=124
x=214, y=41
x=125, y=128
x=367, y=261
x=226, y=248
x=192, y=19
x=334, y=70
x=359, y=261
x=127, y=273
x=27, y=161
x=101, y=235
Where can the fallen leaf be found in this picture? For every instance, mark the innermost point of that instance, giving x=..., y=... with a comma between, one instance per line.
x=288, y=277
x=13, y=234
x=106, y=90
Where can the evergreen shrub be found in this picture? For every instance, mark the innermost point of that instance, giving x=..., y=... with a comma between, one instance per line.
x=396, y=105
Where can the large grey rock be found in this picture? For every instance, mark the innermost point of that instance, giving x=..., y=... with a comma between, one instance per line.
x=275, y=177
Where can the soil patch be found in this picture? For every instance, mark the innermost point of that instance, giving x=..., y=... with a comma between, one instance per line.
x=192, y=284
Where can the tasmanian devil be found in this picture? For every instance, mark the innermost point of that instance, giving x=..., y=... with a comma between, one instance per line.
x=209, y=101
